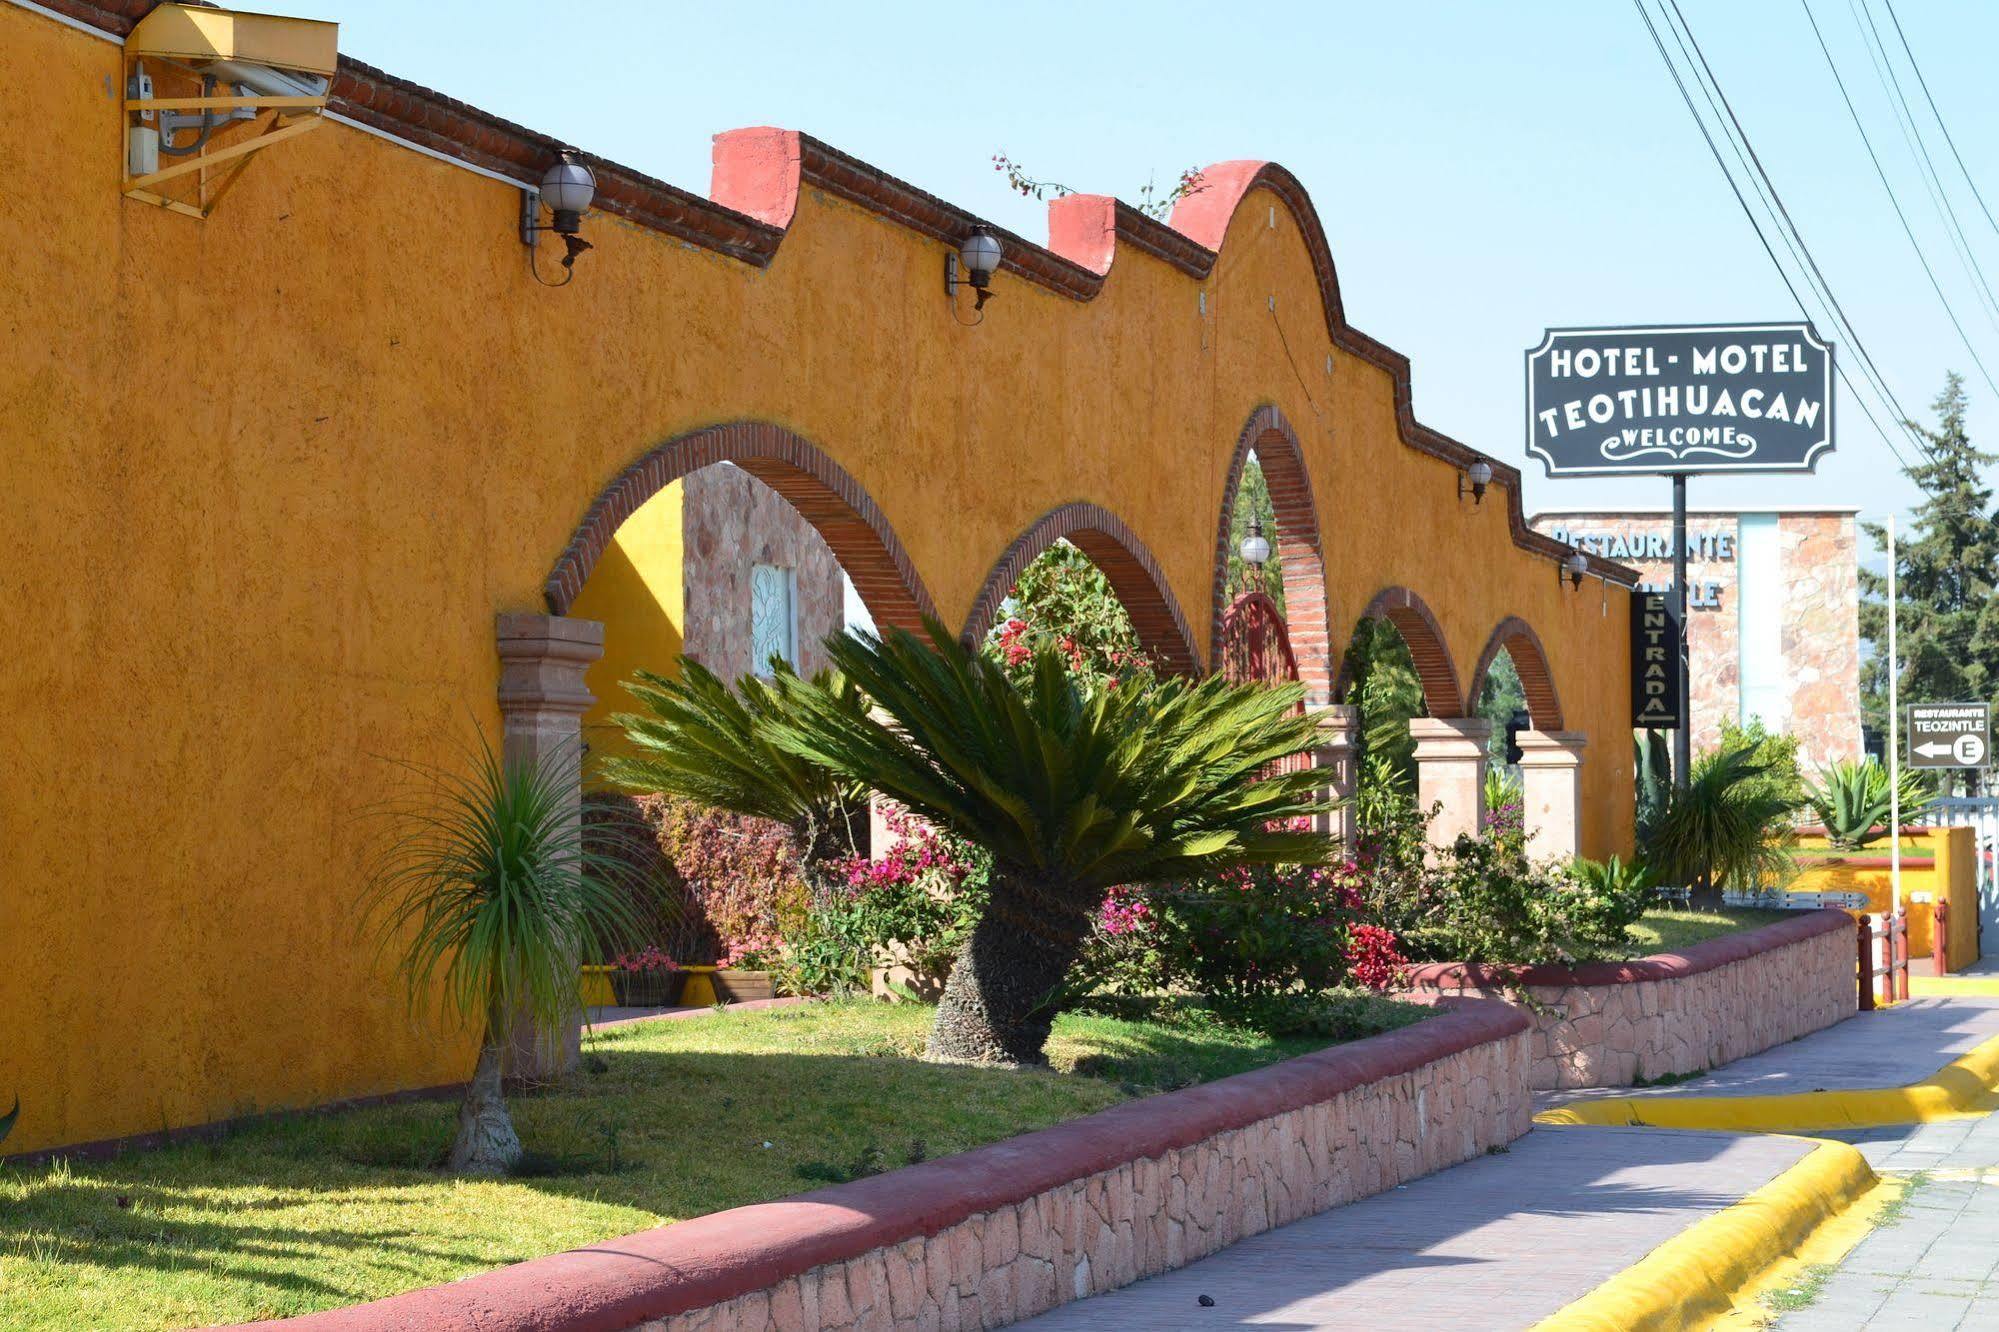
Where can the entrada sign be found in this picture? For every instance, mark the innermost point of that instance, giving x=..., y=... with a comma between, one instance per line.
x=1949, y=735
x=1662, y=400
x=1655, y=661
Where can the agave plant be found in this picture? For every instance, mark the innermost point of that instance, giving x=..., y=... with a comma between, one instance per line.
x=1852, y=798
x=1071, y=791
x=1724, y=826
x=484, y=891
x=700, y=740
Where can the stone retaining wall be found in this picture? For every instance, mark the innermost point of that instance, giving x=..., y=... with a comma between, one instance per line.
x=1611, y=1024
x=994, y=1235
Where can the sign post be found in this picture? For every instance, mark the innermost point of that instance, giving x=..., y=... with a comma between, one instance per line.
x=1673, y=401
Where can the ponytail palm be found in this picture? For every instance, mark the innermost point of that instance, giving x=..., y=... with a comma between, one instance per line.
x=485, y=891
x=1071, y=792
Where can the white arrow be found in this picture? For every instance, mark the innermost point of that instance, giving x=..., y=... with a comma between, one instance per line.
x=1932, y=749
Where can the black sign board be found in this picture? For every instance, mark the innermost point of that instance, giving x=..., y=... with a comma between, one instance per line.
x=1661, y=400
x=1655, y=661
x=1949, y=735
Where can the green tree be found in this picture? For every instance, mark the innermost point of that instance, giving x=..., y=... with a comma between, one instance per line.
x=485, y=889
x=1063, y=604
x=1948, y=567
x=1500, y=695
x=1383, y=686
x=1253, y=505
x=1071, y=790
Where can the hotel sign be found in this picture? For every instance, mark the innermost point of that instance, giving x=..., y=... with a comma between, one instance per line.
x=1661, y=400
x=1655, y=661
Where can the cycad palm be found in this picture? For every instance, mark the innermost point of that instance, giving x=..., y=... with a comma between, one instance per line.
x=1723, y=827
x=1071, y=792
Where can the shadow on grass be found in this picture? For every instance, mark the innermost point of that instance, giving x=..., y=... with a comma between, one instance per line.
x=312, y=1211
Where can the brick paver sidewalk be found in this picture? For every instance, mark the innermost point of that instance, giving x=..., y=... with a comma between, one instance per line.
x=1497, y=1243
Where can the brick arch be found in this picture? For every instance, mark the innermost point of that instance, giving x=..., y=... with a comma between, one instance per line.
x=1270, y=437
x=1133, y=573
x=1427, y=648
x=1530, y=659
x=824, y=494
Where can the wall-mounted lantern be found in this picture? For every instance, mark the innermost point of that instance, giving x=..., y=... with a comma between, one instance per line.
x=974, y=264
x=1575, y=567
x=1255, y=548
x=1475, y=477
x=567, y=189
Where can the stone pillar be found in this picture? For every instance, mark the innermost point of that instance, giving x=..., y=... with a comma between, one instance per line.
x=1450, y=769
x=542, y=702
x=1551, y=791
x=1339, y=726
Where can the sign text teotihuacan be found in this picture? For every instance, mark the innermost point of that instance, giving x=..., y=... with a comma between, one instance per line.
x=1707, y=398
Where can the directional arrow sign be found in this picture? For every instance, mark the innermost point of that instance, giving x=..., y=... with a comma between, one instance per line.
x=1949, y=735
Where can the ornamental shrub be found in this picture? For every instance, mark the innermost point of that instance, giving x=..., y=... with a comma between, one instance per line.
x=722, y=888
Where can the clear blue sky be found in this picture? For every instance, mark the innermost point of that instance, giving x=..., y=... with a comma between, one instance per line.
x=1483, y=170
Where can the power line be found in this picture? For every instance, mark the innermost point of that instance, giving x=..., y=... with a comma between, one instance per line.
x=1925, y=85
x=1756, y=225
x=1895, y=202
x=1891, y=83
x=1793, y=238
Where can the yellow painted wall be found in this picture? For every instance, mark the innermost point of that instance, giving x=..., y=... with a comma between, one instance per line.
x=268, y=478
x=638, y=586
x=1938, y=865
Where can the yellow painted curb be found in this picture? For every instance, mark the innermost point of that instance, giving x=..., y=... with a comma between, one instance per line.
x=1948, y=987
x=1697, y=1276
x=1960, y=1089
x=1828, y=1244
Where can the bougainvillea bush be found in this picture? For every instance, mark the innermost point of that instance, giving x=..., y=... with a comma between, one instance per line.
x=911, y=905
x=722, y=888
x=1261, y=946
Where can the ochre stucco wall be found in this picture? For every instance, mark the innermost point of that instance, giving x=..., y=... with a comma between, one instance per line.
x=269, y=477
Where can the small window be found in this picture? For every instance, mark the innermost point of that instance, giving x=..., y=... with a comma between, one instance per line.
x=773, y=622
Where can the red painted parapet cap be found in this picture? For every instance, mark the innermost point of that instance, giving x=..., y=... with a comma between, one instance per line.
x=1706, y=956
x=755, y=184
x=692, y=1264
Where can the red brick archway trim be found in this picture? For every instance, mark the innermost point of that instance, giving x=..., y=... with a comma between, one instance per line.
x=1133, y=573
x=819, y=488
x=1530, y=659
x=1271, y=438
x=1427, y=647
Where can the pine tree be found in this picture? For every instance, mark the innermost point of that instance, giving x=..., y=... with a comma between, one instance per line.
x=1948, y=565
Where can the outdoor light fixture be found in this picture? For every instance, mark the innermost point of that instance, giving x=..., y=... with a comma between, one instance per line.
x=567, y=188
x=1255, y=547
x=1575, y=567
x=979, y=259
x=1479, y=475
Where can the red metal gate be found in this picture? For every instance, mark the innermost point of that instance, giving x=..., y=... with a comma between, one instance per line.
x=1256, y=646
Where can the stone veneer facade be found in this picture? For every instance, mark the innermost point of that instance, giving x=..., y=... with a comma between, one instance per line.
x=1811, y=587
x=733, y=521
x=1004, y=1232
x=1610, y=1024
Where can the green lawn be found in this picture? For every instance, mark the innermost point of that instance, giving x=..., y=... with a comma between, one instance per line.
x=668, y=1120
x=1664, y=931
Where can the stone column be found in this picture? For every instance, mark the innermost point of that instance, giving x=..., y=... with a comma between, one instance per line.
x=1339, y=725
x=542, y=702
x=1450, y=769
x=1551, y=791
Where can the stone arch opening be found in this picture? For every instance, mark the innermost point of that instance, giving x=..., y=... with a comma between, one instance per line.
x=1424, y=637
x=1275, y=445
x=1133, y=573
x=1517, y=639
x=822, y=492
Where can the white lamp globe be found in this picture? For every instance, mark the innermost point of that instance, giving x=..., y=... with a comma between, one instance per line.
x=1256, y=546
x=1479, y=474
x=981, y=256
x=568, y=186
